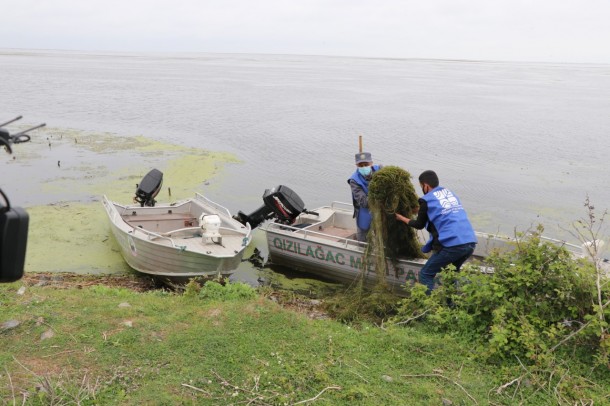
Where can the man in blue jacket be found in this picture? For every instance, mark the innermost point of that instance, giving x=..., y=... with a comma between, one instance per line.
x=359, y=183
x=452, y=239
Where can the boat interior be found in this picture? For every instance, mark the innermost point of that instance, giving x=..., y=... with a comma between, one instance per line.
x=329, y=223
x=338, y=223
x=181, y=222
x=161, y=223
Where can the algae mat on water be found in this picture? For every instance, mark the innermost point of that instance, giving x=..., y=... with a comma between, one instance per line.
x=69, y=230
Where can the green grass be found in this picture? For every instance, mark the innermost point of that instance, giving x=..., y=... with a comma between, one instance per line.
x=165, y=348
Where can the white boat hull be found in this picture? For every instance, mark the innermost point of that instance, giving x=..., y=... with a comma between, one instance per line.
x=166, y=240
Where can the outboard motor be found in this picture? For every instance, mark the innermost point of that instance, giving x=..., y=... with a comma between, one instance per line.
x=149, y=187
x=281, y=203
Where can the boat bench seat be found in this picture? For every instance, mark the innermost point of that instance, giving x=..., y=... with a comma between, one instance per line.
x=306, y=219
x=162, y=222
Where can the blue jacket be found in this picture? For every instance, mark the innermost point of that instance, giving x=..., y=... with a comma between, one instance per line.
x=362, y=214
x=445, y=211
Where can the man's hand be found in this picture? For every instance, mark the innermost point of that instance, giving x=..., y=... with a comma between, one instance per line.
x=402, y=218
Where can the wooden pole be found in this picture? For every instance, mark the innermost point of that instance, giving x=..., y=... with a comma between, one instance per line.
x=360, y=143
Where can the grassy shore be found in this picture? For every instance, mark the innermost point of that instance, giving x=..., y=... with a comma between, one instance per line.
x=96, y=343
x=113, y=340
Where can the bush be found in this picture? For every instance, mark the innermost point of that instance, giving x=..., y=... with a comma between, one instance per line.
x=228, y=291
x=538, y=299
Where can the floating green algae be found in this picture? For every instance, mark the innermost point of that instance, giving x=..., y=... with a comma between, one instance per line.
x=72, y=237
x=106, y=164
x=299, y=285
x=391, y=191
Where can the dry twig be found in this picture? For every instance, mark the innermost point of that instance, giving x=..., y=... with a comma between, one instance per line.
x=11, y=383
x=318, y=395
x=197, y=389
x=413, y=318
x=361, y=363
x=506, y=385
x=58, y=353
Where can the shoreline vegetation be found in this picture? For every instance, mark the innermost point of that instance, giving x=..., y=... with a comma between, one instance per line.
x=122, y=339
x=535, y=332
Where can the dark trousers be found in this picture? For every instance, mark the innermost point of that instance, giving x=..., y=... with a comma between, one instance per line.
x=440, y=259
x=361, y=234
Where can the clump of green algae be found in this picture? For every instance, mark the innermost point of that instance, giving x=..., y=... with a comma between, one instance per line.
x=391, y=191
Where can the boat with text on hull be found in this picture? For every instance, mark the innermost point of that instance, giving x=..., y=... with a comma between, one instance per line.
x=323, y=242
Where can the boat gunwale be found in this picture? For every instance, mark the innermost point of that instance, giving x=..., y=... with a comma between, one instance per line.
x=133, y=230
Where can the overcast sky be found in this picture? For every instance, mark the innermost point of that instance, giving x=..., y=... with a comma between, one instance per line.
x=522, y=30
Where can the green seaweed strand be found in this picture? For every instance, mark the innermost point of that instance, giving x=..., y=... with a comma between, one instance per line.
x=391, y=191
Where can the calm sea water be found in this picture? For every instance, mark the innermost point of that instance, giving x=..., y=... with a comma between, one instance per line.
x=520, y=143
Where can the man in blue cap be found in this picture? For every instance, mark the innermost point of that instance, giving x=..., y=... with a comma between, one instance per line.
x=452, y=238
x=359, y=183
